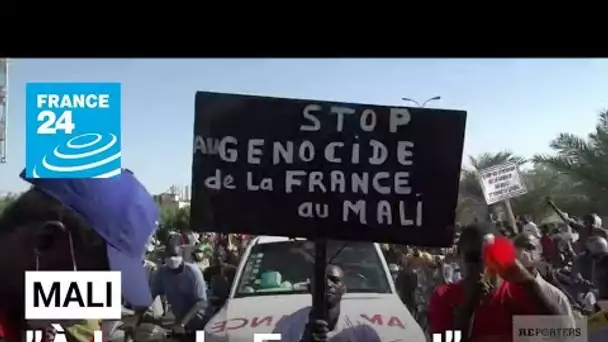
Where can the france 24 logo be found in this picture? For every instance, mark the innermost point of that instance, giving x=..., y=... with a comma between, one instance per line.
x=72, y=130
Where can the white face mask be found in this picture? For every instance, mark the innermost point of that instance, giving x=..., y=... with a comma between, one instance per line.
x=174, y=262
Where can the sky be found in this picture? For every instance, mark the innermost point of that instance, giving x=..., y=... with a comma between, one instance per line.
x=513, y=104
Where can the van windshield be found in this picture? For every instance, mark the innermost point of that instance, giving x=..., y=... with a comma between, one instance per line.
x=287, y=267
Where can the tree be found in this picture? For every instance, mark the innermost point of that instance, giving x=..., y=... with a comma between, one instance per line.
x=468, y=209
x=4, y=202
x=541, y=182
x=7, y=200
x=585, y=161
x=173, y=218
x=181, y=220
x=471, y=202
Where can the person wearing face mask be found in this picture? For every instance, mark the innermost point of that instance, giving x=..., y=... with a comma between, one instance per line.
x=183, y=285
x=484, y=311
x=74, y=224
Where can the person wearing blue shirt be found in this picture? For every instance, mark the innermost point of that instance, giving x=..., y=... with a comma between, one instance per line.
x=184, y=287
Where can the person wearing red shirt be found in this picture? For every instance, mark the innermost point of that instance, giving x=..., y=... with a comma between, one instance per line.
x=74, y=224
x=481, y=310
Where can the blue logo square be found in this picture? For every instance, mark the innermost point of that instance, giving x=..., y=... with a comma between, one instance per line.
x=72, y=130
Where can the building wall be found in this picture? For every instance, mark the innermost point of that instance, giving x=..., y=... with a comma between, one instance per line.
x=167, y=199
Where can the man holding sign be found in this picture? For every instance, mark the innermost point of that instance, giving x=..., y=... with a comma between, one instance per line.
x=303, y=326
x=325, y=170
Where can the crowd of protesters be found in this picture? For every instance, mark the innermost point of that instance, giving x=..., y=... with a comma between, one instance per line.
x=450, y=289
x=83, y=224
x=566, y=260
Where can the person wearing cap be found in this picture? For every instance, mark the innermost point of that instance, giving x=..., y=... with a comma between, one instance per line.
x=74, y=224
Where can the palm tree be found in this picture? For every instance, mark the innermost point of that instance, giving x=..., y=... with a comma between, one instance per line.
x=543, y=181
x=585, y=161
x=471, y=198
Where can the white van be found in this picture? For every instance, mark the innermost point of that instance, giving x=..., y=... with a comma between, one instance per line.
x=272, y=285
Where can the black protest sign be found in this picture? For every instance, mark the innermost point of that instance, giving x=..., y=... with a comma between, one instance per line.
x=306, y=168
